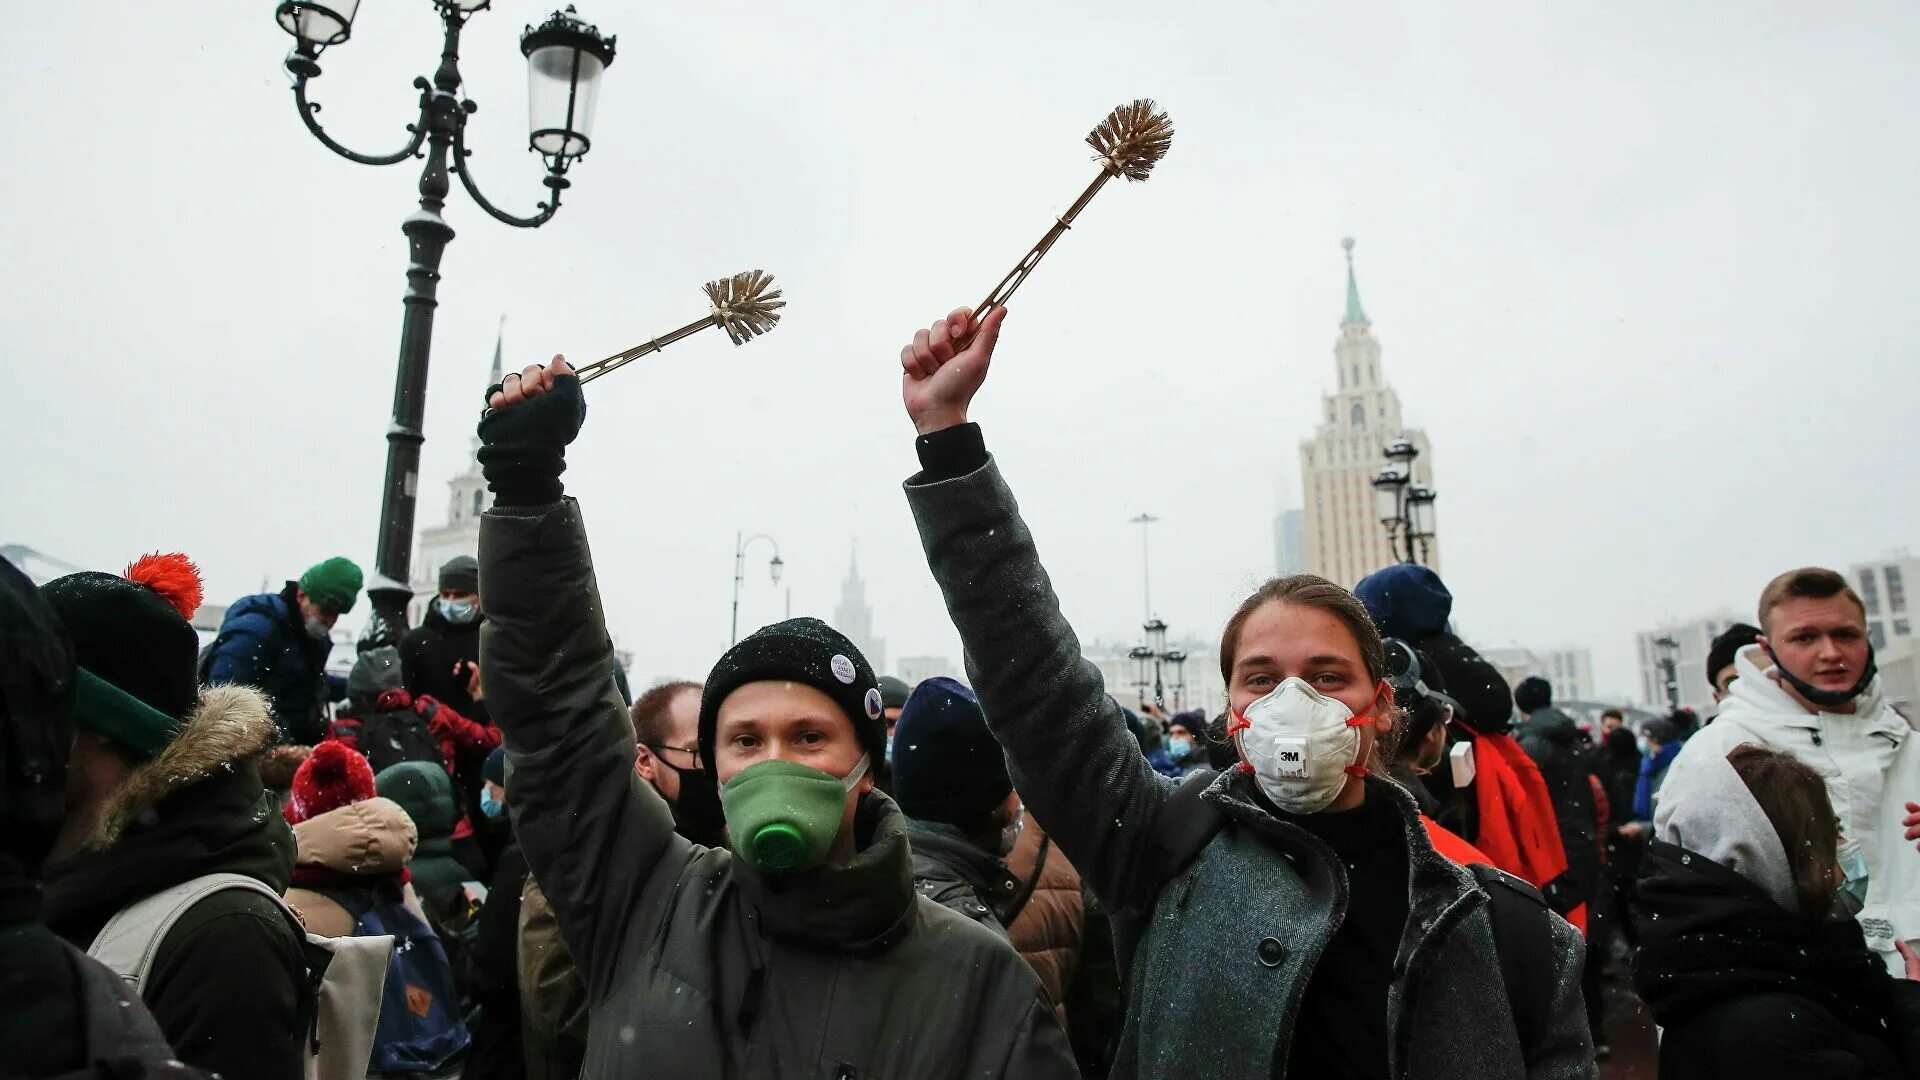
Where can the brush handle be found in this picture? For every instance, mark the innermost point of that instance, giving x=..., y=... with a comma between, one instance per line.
x=590, y=372
x=1004, y=291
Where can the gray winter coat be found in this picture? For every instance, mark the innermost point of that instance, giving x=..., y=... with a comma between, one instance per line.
x=1218, y=952
x=695, y=965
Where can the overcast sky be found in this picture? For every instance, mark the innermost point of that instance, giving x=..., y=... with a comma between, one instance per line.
x=1643, y=273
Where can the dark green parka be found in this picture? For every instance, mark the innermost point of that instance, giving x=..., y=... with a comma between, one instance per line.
x=695, y=965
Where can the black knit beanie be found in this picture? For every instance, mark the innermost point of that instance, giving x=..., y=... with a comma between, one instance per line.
x=946, y=765
x=461, y=574
x=130, y=635
x=805, y=651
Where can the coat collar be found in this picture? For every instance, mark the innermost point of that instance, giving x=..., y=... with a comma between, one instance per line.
x=1434, y=882
x=864, y=906
x=231, y=723
x=940, y=848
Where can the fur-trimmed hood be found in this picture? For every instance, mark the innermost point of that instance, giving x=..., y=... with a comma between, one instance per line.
x=199, y=808
x=230, y=725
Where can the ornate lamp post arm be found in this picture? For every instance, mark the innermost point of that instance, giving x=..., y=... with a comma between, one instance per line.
x=556, y=180
x=310, y=109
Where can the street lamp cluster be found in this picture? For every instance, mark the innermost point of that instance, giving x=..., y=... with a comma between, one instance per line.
x=565, y=59
x=1157, y=667
x=1406, y=508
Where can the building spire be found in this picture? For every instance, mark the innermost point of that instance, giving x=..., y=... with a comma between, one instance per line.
x=1356, y=315
x=499, y=338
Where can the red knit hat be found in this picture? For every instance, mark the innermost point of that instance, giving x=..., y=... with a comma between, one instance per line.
x=333, y=776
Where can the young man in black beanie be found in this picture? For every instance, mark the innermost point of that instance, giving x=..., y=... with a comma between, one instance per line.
x=802, y=949
x=163, y=790
x=950, y=779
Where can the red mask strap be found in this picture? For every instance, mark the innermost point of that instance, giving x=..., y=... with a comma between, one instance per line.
x=1359, y=771
x=1367, y=717
x=1236, y=722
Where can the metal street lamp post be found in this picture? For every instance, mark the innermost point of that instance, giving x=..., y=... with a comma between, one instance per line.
x=1152, y=664
x=1405, y=508
x=774, y=566
x=1145, y=521
x=1669, y=667
x=565, y=59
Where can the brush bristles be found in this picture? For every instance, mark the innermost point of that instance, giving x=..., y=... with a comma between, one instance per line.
x=746, y=305
x=1132, y=139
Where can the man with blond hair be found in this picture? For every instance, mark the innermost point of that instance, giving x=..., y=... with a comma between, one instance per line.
x=1808, y=687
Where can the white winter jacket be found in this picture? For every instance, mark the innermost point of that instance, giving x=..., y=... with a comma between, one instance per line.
x=1871, y=763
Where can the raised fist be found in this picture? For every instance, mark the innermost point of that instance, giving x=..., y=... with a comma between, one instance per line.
x=940, y=380
x=531, y=417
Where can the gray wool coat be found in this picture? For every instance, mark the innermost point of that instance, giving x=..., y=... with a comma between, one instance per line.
x=1218, y=952
x=696, y=966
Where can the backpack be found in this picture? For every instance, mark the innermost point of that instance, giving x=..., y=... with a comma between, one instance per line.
x=420, y=1030
x=391, y=736
x=122, y=1039
x=1522, y=928
x=344, y=975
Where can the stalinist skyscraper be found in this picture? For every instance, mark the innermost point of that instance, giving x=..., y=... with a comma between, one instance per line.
x=854, y=618
x=1344, y=538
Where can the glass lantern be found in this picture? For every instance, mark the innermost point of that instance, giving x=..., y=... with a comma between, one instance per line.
x=318, y=25
x=565, y=59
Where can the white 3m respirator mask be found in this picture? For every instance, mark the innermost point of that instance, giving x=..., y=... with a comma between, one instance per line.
x=1301, y=745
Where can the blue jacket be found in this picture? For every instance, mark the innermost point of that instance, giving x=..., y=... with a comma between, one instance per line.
x=263, y=643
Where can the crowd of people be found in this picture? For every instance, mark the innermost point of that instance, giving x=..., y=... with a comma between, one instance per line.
x=476, y=856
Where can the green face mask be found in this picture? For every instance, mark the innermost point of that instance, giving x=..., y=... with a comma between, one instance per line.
x=783, y=816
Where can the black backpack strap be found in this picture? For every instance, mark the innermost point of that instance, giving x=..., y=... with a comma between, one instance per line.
x=1186, y=824
x=1020, y=899
x=1522, y=931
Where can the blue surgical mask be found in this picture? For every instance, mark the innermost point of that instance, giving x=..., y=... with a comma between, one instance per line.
x=492, y=807
x=1853, y=864
x=458, y=612
x=1179, y=748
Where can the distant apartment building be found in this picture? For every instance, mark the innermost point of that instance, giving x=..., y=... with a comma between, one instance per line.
x=1882, y=586
x=1569, y=670
x=1691, y=641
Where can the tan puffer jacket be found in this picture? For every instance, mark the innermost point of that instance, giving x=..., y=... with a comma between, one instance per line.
x=1049, y=929
x=366, y=839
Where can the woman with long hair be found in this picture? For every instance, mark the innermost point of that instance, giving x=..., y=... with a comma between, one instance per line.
x=1746, y=957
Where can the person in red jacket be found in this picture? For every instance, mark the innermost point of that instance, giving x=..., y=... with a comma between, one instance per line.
x=1511, y=810
x=388, y=725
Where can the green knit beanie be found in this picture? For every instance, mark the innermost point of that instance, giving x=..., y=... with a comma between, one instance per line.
x=333, y=584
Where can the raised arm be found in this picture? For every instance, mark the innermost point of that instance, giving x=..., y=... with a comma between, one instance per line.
x=1073, y=760
x=593, y=834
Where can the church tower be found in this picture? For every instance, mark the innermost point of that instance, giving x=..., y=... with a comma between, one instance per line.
x=1344, y=539
x=467, y=499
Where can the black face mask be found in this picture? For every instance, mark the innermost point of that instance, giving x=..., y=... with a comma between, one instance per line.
x=696, y=814
x=1827, y=699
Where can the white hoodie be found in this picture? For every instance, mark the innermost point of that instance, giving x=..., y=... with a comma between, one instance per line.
x=1872, y=768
